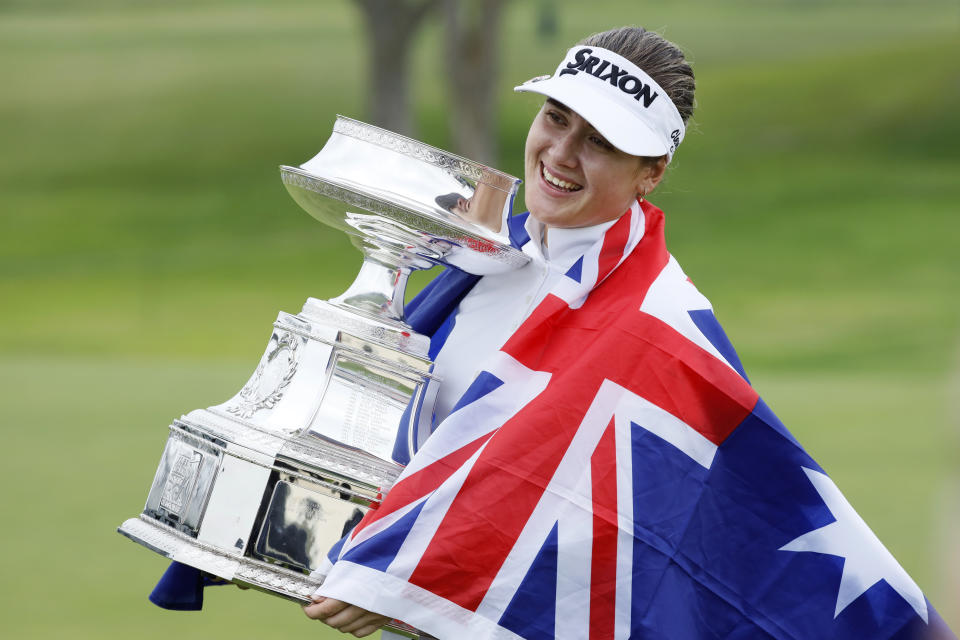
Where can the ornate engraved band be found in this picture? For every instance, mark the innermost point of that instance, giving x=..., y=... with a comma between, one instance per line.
x=339, y=488
x=356, y=353
x=378, y=473
x=174, y=544
x=395, y=336
x=408, y=217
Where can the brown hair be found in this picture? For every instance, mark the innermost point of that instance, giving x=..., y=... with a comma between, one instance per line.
x=659, y=58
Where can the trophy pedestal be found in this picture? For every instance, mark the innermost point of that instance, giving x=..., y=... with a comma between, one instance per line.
x=258, y=489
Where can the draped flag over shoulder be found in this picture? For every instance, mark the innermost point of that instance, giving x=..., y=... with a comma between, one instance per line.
x=612, y=474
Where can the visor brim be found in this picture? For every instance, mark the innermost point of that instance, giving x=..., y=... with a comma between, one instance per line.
x=624, y=130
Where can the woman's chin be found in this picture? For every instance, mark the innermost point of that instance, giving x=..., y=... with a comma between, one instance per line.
x=551, y=219
x=551, y=211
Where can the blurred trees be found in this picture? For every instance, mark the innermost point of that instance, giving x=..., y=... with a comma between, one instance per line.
x=471, y=43
x=391, y=26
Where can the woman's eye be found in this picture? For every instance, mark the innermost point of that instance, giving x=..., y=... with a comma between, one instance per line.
x=555, y=117
x=601, y=142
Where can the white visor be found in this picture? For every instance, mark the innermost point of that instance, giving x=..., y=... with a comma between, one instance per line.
x=617, y=98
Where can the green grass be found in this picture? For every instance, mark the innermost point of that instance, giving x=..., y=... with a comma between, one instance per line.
x=146, y=244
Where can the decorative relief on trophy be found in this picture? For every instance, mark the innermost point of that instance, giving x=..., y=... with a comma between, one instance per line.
x=257, y=489
x=273, y=374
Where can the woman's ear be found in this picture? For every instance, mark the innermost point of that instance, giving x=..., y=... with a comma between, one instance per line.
x=650, y=174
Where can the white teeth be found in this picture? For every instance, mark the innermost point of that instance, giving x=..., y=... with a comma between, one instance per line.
x=563, y=184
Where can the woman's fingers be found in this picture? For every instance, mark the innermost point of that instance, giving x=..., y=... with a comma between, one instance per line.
x=368, y=620
x=345, y=617
x=371, y=628
x=323, y=608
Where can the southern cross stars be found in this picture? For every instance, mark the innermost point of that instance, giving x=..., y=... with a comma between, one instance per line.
x=865, y=560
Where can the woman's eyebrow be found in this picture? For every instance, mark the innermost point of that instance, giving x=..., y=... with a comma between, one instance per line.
x=558, y=105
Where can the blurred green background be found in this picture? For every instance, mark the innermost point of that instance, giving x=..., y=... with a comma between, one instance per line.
x=147, y=244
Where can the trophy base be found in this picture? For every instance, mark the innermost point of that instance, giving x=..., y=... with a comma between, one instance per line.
x=242, y=571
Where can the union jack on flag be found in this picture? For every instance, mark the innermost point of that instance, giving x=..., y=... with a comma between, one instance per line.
x=612, y=474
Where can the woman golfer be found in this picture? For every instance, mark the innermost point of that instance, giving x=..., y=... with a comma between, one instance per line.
x=601, y=466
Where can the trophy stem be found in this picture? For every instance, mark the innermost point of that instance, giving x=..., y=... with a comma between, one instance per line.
x=377, y=290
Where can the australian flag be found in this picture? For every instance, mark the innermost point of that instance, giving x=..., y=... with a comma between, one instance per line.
x=612, y=474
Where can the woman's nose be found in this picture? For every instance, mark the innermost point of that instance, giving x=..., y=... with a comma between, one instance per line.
x=563, y=151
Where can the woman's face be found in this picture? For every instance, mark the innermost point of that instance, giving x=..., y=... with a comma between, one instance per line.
x=574, y=177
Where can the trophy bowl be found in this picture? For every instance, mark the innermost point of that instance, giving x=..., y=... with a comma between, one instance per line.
x=408, y=206
x=257, y=489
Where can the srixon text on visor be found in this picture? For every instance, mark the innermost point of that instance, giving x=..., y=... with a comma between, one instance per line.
x=619, y=78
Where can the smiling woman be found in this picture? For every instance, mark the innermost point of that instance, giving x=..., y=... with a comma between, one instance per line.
x=605, y=139
x=600, y=466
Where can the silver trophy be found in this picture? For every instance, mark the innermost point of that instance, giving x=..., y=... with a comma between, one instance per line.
x=256, y=490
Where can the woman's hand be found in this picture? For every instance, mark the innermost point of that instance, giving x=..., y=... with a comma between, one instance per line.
x=344, y=617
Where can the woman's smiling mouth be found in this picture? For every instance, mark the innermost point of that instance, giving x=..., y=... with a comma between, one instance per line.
x=556, y=182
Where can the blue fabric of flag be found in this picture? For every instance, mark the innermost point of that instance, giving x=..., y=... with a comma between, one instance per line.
x=708, y=561
x=575, y=272
x=484, y=384
x=180, y=588
x=707, y=322
x=379, y=556
x=532, y=613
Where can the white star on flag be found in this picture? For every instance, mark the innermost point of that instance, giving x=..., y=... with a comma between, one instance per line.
x=865, y=560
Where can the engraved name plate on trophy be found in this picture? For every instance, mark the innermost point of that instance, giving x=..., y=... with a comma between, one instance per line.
x=257, y=489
